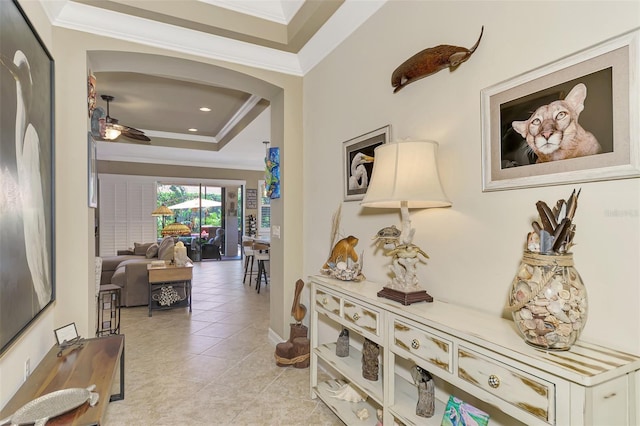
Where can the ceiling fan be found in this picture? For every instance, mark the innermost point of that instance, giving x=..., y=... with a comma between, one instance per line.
x=114, y=130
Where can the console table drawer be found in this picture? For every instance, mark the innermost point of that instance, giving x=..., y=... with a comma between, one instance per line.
x=362, y=317
x=427, y=346
x=327, y=302
x=529, y=393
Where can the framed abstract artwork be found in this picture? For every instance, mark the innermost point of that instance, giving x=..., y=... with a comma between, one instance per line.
x=574, y=120
x=272, y=173
x=358, y=161
x=27, y=278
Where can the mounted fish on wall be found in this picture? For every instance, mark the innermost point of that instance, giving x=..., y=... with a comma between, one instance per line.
x=430, y=61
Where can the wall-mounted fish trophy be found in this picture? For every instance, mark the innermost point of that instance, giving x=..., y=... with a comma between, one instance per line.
x=430, y=61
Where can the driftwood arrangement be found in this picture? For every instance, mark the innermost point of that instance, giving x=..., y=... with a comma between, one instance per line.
x=555, y=231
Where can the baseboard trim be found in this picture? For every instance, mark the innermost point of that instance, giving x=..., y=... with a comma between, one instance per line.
x=274, y=337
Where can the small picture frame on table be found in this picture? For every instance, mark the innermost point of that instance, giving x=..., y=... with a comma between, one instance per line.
x=66, y=333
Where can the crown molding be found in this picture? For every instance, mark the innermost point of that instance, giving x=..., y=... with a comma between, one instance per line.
x=85, y=18
x=282, y=14
x=179, y=136
x=238, y=116
x=341, y=25
x=102, y=22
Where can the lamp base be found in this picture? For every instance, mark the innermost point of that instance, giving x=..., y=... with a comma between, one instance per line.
x=406, y=298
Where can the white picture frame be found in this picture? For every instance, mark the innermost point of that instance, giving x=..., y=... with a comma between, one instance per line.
x=616, y=60
x=66, y=333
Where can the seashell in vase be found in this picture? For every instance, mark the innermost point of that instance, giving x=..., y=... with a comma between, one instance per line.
x=549, y=309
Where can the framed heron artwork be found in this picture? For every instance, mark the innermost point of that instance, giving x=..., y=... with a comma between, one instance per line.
x=358, y=161
x=27, y=278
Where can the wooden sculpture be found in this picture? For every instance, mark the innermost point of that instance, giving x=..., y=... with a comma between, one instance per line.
x=430, y=61
x=298, y=310
x=296, y=350
x=342, y=251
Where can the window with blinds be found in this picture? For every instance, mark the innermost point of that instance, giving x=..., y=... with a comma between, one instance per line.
x=125, y=204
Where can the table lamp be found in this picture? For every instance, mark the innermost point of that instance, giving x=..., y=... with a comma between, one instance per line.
x=176, y=229
x=405, y=175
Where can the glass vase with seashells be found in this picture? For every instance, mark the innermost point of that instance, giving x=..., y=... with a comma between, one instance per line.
x=548, y=299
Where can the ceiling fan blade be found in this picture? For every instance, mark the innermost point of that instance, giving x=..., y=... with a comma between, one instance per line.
x=126, y=131
x=136, y=135
x=132, y=130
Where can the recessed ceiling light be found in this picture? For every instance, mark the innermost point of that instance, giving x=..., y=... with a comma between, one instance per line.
x=193, y=130
x=205, y=109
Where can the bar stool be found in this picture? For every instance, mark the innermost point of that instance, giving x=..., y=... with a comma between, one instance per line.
x=261, y=253
x=248, y=253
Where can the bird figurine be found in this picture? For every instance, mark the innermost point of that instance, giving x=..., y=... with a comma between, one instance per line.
x=298, y=310
x=343, y=250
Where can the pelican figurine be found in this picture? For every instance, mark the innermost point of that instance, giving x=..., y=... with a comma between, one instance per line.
x=359, y=177
x=298, y=310
x=30, y=196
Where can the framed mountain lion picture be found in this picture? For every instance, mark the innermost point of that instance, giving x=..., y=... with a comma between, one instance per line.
x=574, y=120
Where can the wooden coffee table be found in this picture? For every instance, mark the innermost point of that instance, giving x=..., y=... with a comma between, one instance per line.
x=169, y=280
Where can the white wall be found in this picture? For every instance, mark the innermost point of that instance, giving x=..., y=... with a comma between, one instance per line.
x=476, y=245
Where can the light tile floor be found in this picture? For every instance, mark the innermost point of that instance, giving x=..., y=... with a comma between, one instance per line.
x=214, y=366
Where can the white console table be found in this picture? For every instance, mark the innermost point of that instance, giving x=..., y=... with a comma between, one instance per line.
x=476, y=357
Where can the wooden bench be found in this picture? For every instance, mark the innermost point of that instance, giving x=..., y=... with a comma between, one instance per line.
x=93, y=363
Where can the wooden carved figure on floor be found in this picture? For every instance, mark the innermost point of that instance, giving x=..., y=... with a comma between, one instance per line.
x=296, y=350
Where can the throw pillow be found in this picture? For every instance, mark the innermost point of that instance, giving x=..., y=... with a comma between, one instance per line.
x=140, y=249
x=152, y=251
x=165, y=249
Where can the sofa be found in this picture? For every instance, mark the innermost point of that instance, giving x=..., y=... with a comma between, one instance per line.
x=128, y=270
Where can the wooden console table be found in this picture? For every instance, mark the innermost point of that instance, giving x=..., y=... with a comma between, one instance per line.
x=93, y=363
x=169, y=276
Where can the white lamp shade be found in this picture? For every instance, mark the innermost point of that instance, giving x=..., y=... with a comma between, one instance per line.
x=405, y=171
